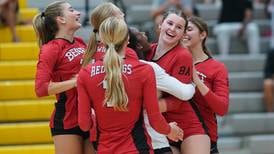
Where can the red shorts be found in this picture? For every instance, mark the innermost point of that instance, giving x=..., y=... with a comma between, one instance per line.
x=188, y=121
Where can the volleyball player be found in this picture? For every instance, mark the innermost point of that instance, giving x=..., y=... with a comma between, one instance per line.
x=58, y=65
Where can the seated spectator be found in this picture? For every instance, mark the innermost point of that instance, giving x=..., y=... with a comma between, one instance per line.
x=162, y=6
x=213, y=2
x=270, y=14
x=269, y=65
x=269, y=81
x=8, y=16
x=236, y=23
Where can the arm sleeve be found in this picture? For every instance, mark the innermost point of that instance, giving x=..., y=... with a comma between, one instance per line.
x=155, y=118
x=182, y=70
x=171, y=85
x=44, y=70
x=218, y=97
x=84, y=103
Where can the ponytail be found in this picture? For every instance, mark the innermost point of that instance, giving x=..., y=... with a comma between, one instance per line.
x=45, y=24
x=91, y=49
x=115, y=92
x=98, y=15
x=114, y=34
x=39, y=27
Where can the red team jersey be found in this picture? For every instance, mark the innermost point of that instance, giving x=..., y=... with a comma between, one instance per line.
x=60, y=60
x=101, y=51
x=215, y=76
x=120, y=132
x=99, y=55
x=178, y=63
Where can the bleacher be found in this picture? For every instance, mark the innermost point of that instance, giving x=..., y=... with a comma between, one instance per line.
x=247, y=129
x=23, y=117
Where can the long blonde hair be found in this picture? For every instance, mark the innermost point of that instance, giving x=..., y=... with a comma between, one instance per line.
x=45, y=24
x=98, y=15
x=114, y=33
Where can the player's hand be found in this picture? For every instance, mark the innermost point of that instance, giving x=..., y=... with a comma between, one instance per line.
x=176, y=133
x=74, y=80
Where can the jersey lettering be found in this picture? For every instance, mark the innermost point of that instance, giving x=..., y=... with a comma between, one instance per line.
x=74, y=52
x=95, y=70
x=184, y=70
x=127, y=68
x=201, y=76
x=101, y=49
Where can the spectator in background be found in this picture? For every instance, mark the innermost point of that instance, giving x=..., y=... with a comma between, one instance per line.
x=269, y=64
x=270, y=12
x=212, y=1
x=268, y=81
x=8, y=16
x=161, y=6
x=236, y=19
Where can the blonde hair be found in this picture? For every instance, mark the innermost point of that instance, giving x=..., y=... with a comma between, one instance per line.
x=45, y=24
x=98, y=15
x=114, y=33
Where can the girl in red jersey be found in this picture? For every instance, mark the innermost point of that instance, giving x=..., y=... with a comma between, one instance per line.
x=183, y=91
x=59, y=62
x=96, y=49
x=177, y=61
x=211, y=79
x=118, y=88
x=164, y=82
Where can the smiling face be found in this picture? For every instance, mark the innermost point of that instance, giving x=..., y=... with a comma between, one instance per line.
x=196, y=34
x=172, y=29
x=193, y=36
x=139, y=42
x=70, y=17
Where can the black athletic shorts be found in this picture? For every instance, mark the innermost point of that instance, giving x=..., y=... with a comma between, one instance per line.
x=166, y=150
x=76, y=130
x=269, y=65
x=176, y=144
x=214, y=148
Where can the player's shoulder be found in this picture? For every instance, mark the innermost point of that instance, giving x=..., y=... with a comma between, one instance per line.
x=92, y=66
x=217, y=62
x=147, y=66
x=79, y=40
x=217, y=65
x=181, y=50
x=51, y=46
x=130, y=53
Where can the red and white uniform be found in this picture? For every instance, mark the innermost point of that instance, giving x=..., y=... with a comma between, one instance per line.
x=121, y=132
x=60, y=60
x=215, y=76
x=178, y=63
x=101, y=51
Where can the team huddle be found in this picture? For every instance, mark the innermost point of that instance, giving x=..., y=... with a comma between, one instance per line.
x=123, y=94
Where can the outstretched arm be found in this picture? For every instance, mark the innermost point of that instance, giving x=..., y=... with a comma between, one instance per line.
x=171, y=85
